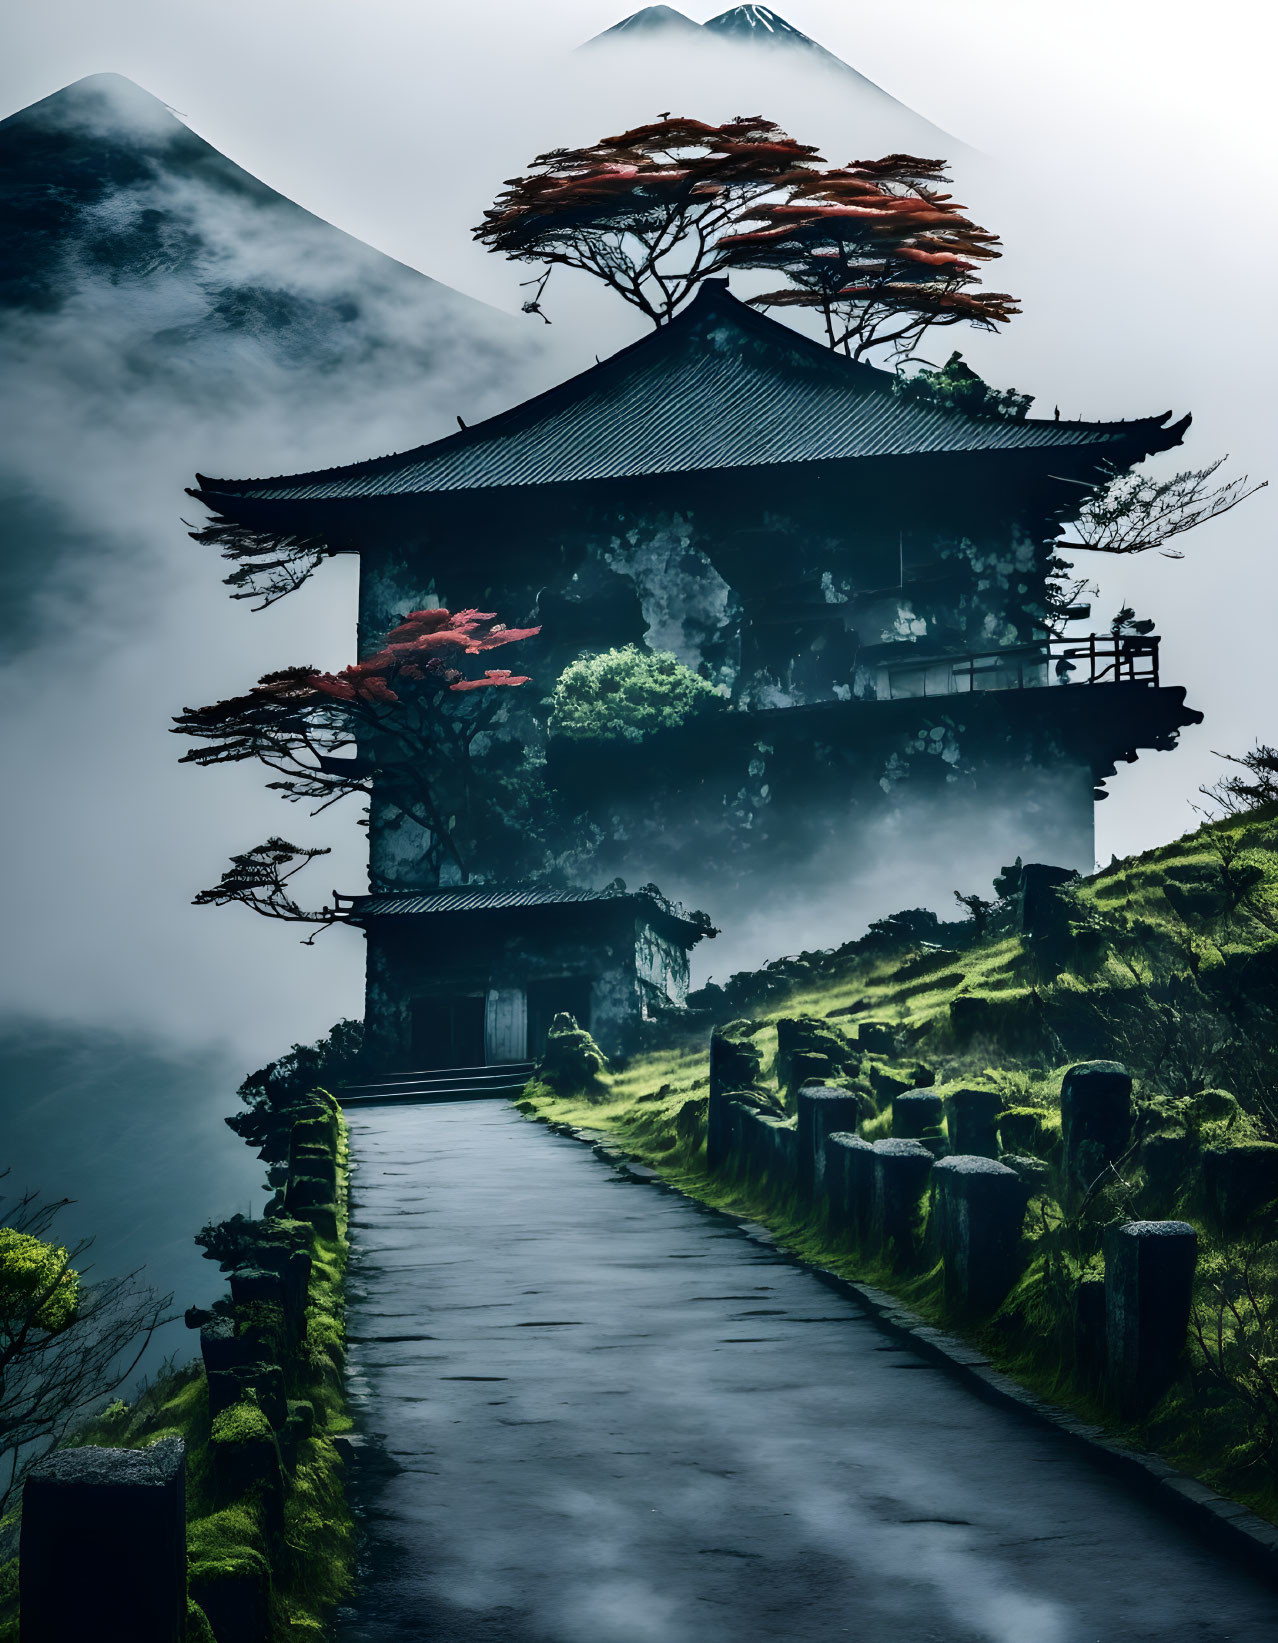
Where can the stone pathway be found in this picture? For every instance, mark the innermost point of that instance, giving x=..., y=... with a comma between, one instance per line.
x=600, y=1415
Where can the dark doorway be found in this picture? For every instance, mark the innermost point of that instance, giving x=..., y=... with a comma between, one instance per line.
x=546, y=999
x=448, y=1032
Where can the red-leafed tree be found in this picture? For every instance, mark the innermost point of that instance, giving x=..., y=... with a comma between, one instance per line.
x=643, y=211
x=877, y=249
x=404, y=720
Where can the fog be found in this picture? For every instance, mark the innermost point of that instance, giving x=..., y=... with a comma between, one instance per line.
x=841, y=874
x=1095, y=143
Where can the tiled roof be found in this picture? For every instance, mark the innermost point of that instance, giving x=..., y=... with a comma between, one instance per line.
x=720, y=387
x=476, y=900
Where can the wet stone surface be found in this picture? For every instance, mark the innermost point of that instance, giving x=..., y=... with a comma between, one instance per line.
x=595, y=1414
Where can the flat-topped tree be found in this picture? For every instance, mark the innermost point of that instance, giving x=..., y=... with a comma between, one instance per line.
x=643, y=211
x=877, y=249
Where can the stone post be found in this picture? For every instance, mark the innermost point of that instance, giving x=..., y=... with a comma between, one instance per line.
x=917, y=1114
x=901, y=1171
x=823, y=1110
x=1096, y=1119
x=1149, y=1287
x=979, y=1207
x=972, y=1117
x=849, y=1183
x=733, y=1066
x=747, y=1138
x=1241, y=1182
x=1041, y=912
x=781, y=1158
x=222, y=1348
x=879, y=1037
x=103, y=1546
x=723, y=1140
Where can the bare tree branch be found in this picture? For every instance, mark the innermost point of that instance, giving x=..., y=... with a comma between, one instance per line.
x=268, y=564
x=1134, y=513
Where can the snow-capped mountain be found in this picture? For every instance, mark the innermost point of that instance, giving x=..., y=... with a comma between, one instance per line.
x=747, y=45
x=762, y=26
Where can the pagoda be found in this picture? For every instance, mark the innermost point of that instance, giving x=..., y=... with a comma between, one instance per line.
x=862, y=573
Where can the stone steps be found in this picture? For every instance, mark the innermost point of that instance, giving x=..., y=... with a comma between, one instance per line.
x=497, y=1083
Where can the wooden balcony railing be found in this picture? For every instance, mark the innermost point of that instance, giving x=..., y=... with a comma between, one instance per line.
x=1099, y=659
x=1110, y=658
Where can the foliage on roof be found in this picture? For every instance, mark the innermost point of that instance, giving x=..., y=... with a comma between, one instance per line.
x=644, y=210
x=878, y=249
x=956, y=386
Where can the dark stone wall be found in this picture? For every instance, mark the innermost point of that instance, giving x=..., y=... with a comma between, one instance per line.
x=792, y=588
x=634, y=970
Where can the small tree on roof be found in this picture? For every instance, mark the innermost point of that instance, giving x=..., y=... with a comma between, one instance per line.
x=643, y=211
x=877, y=249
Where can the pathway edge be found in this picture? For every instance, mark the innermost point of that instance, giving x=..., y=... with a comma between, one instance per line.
x=1234, y=1527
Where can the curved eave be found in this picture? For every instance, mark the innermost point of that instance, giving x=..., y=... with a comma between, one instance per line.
x=342, y=520
x=1120, y=443
x=628, y=417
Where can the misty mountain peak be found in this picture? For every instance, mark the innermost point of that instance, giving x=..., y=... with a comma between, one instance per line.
x=761, y=26
x=759, y=22
x=652, y=20
x=97, y=105
x=746, y=37
x=740, y=26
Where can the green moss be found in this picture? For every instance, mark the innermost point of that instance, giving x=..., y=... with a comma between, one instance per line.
x=241, y=1423
x=8, y=1596
x=226, y=1534
x=198, y=1629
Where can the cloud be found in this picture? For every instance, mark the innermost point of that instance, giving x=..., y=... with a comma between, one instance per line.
x=250, y=338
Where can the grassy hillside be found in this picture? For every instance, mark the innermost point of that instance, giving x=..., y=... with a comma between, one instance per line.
x=1168, y=963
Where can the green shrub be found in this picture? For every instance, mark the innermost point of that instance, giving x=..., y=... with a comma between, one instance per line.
x=37, y=1288
x=625, y=695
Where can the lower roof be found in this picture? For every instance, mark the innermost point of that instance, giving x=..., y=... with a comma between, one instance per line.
x=648, y=902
